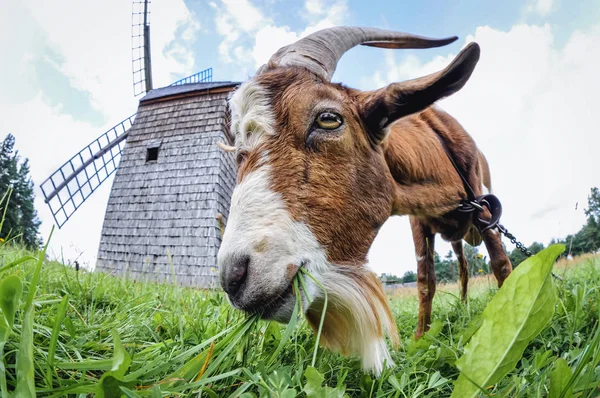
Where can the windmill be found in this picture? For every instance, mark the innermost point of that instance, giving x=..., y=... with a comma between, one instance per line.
x=171, y=180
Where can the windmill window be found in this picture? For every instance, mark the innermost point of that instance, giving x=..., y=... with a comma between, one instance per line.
x=152, y=152
x=151, y=155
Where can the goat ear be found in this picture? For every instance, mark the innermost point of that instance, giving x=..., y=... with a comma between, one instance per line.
x=384, y=106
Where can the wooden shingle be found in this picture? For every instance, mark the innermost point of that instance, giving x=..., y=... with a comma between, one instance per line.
x=160, y=221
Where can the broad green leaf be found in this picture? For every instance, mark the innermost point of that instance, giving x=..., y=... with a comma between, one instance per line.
x=156, y=393
x=427, y=340
x=559, y=380
x=110, y=386
x=516, y=314
x=314, y=386
x=111, y=382
x=121, y=359
x=289, y=393
x=10, y=293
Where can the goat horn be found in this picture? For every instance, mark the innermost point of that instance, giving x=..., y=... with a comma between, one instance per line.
x=321, y=51
x=225, y=147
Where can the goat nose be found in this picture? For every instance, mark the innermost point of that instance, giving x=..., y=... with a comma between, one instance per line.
x=236, y=275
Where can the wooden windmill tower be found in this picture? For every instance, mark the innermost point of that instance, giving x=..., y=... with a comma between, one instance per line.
x=171, y=179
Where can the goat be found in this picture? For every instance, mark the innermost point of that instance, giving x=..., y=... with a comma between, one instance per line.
x=322, y=166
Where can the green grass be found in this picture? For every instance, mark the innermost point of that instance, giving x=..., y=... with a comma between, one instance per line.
x=93, y=334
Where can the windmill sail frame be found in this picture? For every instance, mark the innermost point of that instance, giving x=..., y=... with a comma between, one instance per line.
x=140, y=47
x=72, y=183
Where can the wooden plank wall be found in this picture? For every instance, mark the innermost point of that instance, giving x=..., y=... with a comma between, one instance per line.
x=169, y=206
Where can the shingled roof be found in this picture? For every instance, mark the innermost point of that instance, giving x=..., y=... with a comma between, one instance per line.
x=189, y=89
x=160, y=221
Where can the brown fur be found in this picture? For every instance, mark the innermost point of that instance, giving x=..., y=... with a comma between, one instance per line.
x=344, y=185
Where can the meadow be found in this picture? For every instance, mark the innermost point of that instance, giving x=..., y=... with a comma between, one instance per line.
x=80, y=333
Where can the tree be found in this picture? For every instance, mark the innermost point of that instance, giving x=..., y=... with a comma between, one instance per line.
x=21, y=217
x=593, y=209
x=473, y=260
x=409, y=276
x=446, y=270
x=587, y=239
x=516, y=257
x=536, y=247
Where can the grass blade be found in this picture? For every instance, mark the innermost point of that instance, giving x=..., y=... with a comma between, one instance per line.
x=191, y=368
x=11, y=289
x=17, y=262
x=288, y=331
x=62, y=310
x=324, y=311
x=25, y=366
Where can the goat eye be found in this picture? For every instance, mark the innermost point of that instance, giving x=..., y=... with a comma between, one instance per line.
x=328, y=121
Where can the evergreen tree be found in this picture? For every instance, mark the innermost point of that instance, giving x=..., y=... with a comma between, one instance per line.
x=21, y=216
x=593, y=204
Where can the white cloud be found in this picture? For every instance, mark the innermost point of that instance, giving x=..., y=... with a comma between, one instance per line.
x=49, y=137
x=234, y=20
x=90, y=43
x=540, y=7
x=531, y=107
x=173, y=30
x=95, y=44
x=319, y=16
x=250, y=37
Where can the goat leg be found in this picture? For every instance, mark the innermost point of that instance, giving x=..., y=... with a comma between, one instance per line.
x=463, y=269
x=424, y=240
x=499, y=261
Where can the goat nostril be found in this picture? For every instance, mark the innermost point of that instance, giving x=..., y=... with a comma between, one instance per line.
x=237, y=275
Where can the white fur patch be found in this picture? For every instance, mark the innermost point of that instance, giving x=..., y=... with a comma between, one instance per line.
x=252, y=116
x=362, y=335
x=259, y=219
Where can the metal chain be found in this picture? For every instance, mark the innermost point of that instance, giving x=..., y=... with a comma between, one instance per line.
x=514, y=241
x=520, y=245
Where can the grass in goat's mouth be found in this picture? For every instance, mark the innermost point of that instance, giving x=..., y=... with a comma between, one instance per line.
x=235, y=339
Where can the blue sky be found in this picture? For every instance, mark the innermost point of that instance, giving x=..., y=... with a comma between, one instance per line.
x=66, y=77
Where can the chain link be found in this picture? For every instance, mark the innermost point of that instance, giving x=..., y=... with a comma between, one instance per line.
x=519, y=245
x=514, y=241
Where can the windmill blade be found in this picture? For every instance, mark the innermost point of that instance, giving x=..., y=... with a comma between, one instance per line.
x=140, y=47
x=72, y=183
